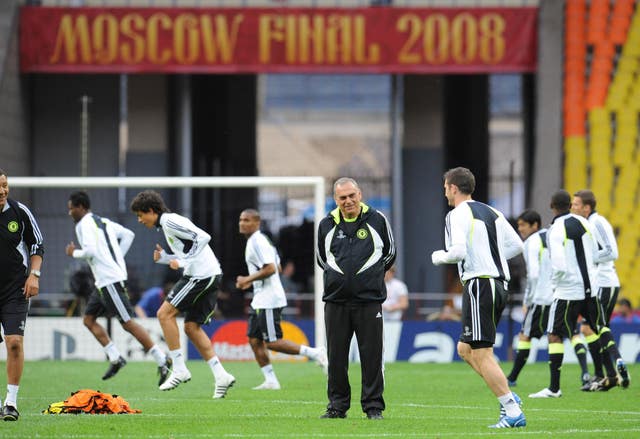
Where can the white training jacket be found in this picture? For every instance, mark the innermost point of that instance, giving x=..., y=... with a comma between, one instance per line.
x=190, y=246
x=268, y=293
x=607, y=252
x=480, y=240
x=573, y=248
x=104, y=244
x=538, y=288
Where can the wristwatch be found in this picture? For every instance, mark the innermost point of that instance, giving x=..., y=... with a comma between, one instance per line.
x=36, y=273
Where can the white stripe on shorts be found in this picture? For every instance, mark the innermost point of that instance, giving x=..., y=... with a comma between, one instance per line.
x=180, y=295
x=271, y=327
x=552, y=316
x=474, y=302
x=117, y=301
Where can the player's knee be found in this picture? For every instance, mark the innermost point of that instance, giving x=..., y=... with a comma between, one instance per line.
x=163, y=314
x=464, y=350
x=191, y=328
x=130, y=326
x=88, y=321
x=14, y=344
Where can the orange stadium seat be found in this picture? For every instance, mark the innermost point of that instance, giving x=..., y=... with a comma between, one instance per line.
x=573, y=5
x=623, y=7
x=574, y=125
x=618, y=29
x=575, y=68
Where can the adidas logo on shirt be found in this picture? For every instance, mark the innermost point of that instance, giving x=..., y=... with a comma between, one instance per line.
x=379, y=315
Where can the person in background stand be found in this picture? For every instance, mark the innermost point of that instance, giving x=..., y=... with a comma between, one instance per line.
x=397, y=296
x=20, y=241
x=625, y=313
x=152, y=299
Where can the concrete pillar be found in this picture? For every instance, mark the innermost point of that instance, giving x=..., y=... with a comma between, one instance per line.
x=548, y=158
x=423, y=165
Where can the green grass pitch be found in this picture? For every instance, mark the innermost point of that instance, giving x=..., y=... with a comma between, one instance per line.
x=423, y=400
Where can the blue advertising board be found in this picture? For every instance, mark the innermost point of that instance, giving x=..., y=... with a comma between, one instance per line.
x=412, y=341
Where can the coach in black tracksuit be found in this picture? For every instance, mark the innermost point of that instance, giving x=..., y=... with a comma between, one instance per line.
x=355, y=248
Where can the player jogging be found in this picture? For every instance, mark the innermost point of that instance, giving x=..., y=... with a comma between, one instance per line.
x=269, y=299
x=194, y=294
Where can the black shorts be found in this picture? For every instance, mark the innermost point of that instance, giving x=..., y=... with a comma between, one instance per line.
x=196, y=297
x=608, y=296
x=483, y=301
x=13, y=313
x=264, y=324
x=563, y=316
x=535, y=321
x=111, y=301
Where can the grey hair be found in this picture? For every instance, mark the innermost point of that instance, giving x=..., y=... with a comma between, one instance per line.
x=344, y=180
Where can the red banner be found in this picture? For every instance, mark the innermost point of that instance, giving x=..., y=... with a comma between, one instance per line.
x=258, y=40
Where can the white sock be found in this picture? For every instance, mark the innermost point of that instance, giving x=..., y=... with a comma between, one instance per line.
x=158, y=355
x=510, y=405
x=216, y=367
x=308, y=352
x=178, y=360
x=112, y=352
x=269, y=373
x=12, y=395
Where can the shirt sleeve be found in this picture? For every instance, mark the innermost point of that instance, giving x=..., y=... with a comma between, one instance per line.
x=86, y=232
x=32, y=235
x=320, y=252
x=513, y=245
x=456, y=232
x=124, y=235
x=556, y=252
x=608, y=247
x=532, y=261
x=183, y=229
x=389, y=249
x=264, y=251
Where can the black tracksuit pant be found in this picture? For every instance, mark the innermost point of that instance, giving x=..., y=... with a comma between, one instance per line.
x=341, y=322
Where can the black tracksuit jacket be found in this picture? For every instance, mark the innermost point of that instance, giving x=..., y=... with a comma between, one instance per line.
x=355, y=256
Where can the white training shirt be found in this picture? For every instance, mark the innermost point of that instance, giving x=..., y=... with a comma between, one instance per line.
x=104, y=244
x=268, y=293
x=607, y=252
x=395, y=290
x=572, y=247
x=536, y=255
x=190, y=246
x=480, y=240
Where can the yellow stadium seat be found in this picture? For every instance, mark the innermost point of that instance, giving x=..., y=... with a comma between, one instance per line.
x=574, y=179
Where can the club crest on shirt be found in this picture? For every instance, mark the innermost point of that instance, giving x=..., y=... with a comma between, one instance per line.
x=13, y=226
x=362, y=233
